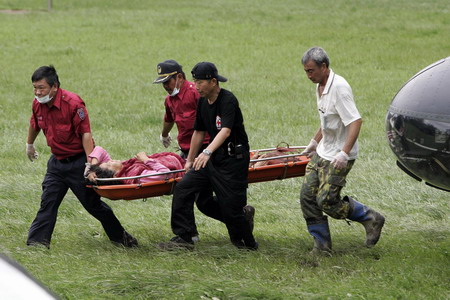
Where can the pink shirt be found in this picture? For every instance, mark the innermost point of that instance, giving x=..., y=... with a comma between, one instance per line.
x=153, y=166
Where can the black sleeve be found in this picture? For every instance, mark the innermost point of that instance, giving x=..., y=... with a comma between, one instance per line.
x=199, y=124
x=228, y=109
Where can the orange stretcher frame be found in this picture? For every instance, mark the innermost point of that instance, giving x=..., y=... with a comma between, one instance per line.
x=269, y=172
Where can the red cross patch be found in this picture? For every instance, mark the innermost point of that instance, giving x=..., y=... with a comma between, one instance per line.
x=218, y=123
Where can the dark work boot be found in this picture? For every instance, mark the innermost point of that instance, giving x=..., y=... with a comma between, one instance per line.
x=371, y=220
x=320, y=230
x=177, y=243
x=249, y=213
x=128, y=240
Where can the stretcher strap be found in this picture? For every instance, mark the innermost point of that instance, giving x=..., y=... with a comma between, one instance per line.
x=285, y=170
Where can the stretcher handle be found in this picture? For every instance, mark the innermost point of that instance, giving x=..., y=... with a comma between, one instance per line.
x=140, y=176
x=274, y=157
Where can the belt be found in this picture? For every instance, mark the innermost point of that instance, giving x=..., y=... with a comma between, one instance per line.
x=71, y=158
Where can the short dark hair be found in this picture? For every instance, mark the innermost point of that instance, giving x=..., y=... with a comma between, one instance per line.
x=48, y=73
x=104, y=173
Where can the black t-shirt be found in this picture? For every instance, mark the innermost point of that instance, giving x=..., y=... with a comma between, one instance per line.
x=224, y=112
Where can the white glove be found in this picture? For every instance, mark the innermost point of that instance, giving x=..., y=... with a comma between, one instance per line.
x=165, y=140
x=310, y=150
x=86, y=169
x=31, y=152
x=340, y=160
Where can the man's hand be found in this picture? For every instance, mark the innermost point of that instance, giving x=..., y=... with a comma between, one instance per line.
x=86, y=169
x=188, y=165
x=165, y=140
x=310, y=150
x=200, y=161
x=31, y=152
x=340, y=160
x=92, y=177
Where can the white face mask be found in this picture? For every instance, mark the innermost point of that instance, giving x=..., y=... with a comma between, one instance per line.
x=44, y=99
x=175, y=90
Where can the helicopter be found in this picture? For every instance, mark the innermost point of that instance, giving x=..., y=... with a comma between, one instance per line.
x=418, y=125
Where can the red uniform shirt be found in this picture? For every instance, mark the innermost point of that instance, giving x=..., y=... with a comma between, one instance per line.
x=181, y=109
x=63, y=123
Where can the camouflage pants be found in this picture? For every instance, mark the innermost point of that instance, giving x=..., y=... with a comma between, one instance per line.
x=321, y=190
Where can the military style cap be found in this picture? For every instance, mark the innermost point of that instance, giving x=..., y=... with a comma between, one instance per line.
x=206, y=70
x=166, y=69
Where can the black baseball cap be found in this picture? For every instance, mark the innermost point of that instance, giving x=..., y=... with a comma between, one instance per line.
x=166, y=69
x=206, y=70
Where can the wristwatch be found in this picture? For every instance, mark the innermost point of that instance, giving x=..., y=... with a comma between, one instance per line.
x=207, y=152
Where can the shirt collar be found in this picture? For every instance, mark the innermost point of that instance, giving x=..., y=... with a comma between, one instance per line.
x=329, y=83
x=58, y=96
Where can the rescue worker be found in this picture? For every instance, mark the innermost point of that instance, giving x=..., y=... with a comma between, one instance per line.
x=64, y=120
x=180, y=105
x=221, y=168
x=180, y=109
x=333, y=151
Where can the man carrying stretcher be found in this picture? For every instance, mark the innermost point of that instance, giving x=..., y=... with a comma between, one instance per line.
x=221, y=168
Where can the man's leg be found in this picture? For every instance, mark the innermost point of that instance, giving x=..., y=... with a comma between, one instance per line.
x=338, y=208
x=316, y=222
x=194, y=184
x=95, y=206
x=229, y=182
x=53, y=191
x=332, y=181
x=207, y=203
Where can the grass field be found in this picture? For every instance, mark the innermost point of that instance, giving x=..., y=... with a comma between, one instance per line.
x=107, y=52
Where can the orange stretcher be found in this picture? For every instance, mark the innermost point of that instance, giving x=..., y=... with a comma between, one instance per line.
x=280, y=167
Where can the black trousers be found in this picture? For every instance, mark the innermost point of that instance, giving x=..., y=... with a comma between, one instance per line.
x=61, y=176
x=225, y=176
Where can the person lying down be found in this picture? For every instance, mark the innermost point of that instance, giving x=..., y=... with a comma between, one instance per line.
x=102, y=166
x=278, y=152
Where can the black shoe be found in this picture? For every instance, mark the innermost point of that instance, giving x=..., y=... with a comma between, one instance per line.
x=238, y=244
x=128, y=240
x=38, y=244
x=252, y=248
x=249, y=213
x=176, y=243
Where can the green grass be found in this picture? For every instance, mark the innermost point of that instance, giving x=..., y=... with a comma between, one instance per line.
x=107, y=51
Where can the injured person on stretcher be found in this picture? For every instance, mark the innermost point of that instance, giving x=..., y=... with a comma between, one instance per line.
x=270, y=158
x=102, y=166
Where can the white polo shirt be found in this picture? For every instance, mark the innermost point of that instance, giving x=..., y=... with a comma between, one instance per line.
x=337, y=110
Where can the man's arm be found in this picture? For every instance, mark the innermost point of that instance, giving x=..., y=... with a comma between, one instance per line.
x=340, y=160
x=202, y=159
x=353, y=133
x=311, y=148
x=88, y=143
x=32, y=134
x=167, y=127
x=196, y=144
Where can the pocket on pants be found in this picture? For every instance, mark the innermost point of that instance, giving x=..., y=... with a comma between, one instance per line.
x=336, y=180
